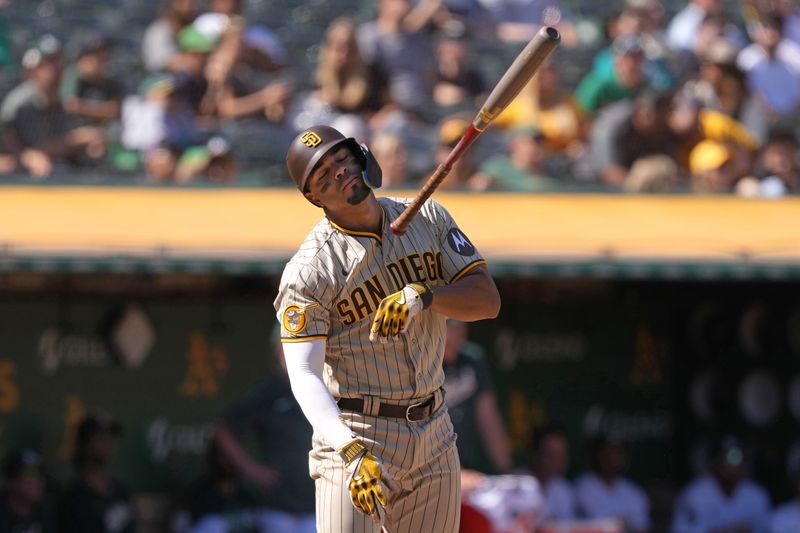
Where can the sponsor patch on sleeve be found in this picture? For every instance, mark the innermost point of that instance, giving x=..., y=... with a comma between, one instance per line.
x=459, y=242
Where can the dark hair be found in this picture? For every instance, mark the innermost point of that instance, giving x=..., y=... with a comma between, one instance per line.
x=552, y=429
x=773, y=19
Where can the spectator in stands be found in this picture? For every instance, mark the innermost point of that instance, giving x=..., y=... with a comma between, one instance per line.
x=449, y=131
x=653, y=174
x=217, y=502
x=519, y=20
x=546, y=105
x=723, y=499
x=714, y=168
x=23, y=505
x=692, y=123
x=391, y=153
x=790, y=11
x=270, y=419
x=776, y=171
x=625, y=131
x=160, y=50
x=632, y=21
x=482, y=442
x=87, y=90
x=96, y=502
x=606, y=493
x=780, y=158
x=772, y=65
x=36, y=128
x=345, y=84
x=218, y=75
x=261, y=48
x=549, y=462
x=6, y=51
x=213, y=162
x=786, y=517
x=457, y=85
x=398, y=42
x=520, y=169
x=600, y=88
x=720, y=85
x=160, y=123
x=684, y=27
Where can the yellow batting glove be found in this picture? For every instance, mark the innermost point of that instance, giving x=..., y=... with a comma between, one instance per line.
x=396, y=310
x=368, y=482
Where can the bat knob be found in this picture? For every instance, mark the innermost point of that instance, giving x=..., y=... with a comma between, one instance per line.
x=396, y=230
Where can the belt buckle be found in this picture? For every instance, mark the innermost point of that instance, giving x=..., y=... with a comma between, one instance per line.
x=430, y=400
x=410, y=407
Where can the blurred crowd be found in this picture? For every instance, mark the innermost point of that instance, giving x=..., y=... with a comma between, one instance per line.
x=256, y=480
x=659, y=96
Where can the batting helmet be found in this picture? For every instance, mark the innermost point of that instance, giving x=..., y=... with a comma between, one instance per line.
x=311, y=144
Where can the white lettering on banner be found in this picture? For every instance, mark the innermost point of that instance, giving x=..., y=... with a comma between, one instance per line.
x=165, y=438
x=513, y=347
x=631, y=426
x=57, y=349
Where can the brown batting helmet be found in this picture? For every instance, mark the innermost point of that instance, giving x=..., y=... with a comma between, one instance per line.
x=311, y=144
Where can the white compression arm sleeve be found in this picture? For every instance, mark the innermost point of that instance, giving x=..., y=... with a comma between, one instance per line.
x=304, y=363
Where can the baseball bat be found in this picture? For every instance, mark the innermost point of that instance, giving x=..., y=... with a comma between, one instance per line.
x=521, y=70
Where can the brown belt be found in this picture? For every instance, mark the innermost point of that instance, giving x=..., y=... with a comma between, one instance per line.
x=413, y=412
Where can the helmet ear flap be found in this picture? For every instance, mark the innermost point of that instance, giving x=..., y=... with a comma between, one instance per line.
x=372, y=174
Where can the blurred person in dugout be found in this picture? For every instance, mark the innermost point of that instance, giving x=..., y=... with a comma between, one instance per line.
x=549, y=462
x=265, y=437
x=605, y=492
x=96, y=502
x=37, y=130
x=217, y=502
x=483, y=444
x=545, y=104
x=24, y=507
x=723, y=498
x=786, y=517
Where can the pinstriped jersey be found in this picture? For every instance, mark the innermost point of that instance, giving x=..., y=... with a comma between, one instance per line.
x=332, y=286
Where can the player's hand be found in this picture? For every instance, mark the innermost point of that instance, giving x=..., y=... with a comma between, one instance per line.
x=369, y=482
x=396, y=310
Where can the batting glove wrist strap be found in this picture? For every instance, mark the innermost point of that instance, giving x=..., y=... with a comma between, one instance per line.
x=424, y=291
x=352, y=451
x=369, y=485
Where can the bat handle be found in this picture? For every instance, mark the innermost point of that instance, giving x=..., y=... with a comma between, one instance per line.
x=401, y=223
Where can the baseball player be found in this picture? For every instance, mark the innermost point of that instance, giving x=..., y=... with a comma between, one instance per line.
x=362, y=316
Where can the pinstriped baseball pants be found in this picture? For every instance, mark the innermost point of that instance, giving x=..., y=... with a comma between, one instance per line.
x=421, y=457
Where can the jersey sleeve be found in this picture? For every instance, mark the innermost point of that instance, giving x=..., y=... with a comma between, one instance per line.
x=303, y=303
x=459, y=255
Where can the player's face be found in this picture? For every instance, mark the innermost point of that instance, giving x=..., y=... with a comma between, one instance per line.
x=337, y=181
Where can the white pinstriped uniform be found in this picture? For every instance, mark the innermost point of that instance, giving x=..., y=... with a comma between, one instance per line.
x=330, y=290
